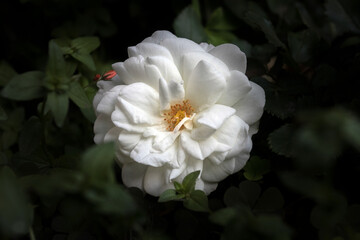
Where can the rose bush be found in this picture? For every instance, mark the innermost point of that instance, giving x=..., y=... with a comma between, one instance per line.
x=175, y=107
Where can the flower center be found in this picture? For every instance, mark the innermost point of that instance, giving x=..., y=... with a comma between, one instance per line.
x=178, y=115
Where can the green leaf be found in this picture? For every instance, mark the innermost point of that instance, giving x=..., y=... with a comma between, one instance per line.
x=189, y=181
x=178, y=186
x=170, y=195
x=302, y=45
x=197, y=202
x=26, y=86
x=56, y=63
x=97, y=163
x=255, y=168
x=16, y=213
x=78, y=95
x=58, y=105
x=6, y=73
x=85, y=44
x=85, y=58
x=188, y=25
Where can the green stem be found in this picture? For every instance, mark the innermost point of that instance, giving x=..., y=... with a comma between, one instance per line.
x=31, y=234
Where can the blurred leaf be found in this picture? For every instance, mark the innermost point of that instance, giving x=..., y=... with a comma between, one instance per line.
x=189, y=181
x=286, y=10
x=11, y=127
x=280, y=140
x=307, y=18
x=271, y=200
x=170, y=195
x=85, y=58
x=6, y=73
x=188, y=25
x=111, y=199
x=56, y=63
x=233, y=197
x=26, y=86
x=223, y=216
x=16, y=213
x=250, y=192
x=58, y=104
x=302, y=45
x=78, y=95
x=218, y=21
x=30, y=136
x=329, y=214
x=197, y=201
x=255, y=168
x=3, y=115
x=85, y=44
x=253, y=15
x=336, y=12
x=97, y=163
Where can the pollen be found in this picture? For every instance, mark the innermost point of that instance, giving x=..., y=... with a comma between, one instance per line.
x=177, y=113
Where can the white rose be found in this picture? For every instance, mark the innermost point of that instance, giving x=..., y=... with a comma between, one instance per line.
x=176, y=107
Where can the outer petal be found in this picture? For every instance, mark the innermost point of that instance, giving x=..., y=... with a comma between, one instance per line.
x=102, y=125
x=157, y=180
x=128, y=141
x=205, y=86
x=147, y=49
x=159, y=36
x=133, y=174
x=231, y=55
x=107, y=104
x=237, y=86
x=103, y=86
x=136, y=69
x=251, y=107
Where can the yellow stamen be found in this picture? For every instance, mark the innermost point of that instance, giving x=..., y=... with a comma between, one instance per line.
x=177, y=113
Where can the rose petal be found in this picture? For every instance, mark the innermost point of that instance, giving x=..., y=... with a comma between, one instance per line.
x=237, y=86
x=159, y=36
x=102, y=125
x=142, y=96
x=179, y=47
x=107, y=104
x=205, y=86
x=147, y=49
x=136, y=69
x=251, y=107
x=133, y=174
x=103, y=86
x=231, y=55
x=191, y=59
x=157, y=180
x=209, y=120
x=201, y=149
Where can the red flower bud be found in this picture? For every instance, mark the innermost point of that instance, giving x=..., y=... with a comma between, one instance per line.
x=109, y=75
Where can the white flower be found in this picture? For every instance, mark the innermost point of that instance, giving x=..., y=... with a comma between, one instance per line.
x=176, y=107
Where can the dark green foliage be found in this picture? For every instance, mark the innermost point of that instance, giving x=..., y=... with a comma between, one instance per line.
x=300, y=182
